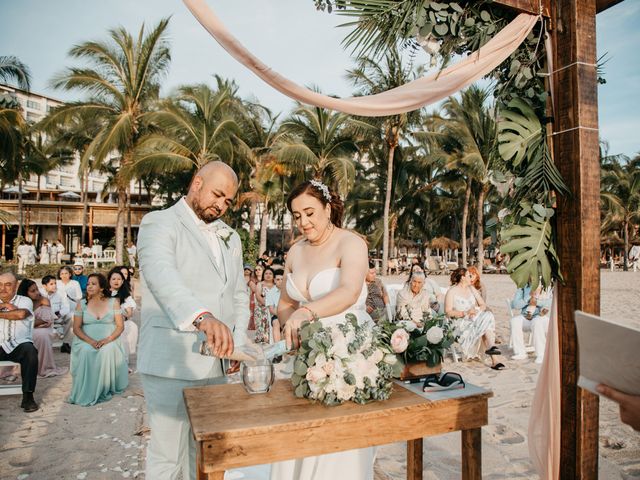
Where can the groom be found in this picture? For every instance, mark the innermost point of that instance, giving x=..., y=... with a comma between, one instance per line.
x=193, y=288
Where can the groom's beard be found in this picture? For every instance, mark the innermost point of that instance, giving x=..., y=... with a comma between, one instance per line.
x=205, y=214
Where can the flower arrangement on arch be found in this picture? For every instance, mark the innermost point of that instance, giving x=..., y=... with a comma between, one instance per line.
x=421, y=340
x=344, y=362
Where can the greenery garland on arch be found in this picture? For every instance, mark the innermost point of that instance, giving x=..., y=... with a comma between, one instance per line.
x=446, y=29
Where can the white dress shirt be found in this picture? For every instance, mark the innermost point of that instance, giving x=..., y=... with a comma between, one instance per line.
x=15, y=332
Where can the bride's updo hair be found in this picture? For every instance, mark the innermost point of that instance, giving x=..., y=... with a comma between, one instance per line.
x=324, y=194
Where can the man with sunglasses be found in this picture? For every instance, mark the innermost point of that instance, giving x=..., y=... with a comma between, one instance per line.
x=79, y=276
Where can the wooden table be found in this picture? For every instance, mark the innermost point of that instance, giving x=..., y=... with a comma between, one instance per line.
x=233, y=429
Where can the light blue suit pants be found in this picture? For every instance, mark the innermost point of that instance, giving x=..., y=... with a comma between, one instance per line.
x=172, y=448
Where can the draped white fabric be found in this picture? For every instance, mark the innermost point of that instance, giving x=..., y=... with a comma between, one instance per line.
x=411, y=96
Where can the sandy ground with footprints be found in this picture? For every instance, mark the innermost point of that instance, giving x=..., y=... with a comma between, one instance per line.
x=108, y=441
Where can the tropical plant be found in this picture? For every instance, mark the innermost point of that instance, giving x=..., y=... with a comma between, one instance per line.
x=13, y=70
x=372, y=77
x=123, y=83
x=620, y=196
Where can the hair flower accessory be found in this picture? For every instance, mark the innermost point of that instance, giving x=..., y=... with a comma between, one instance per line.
x=323, y=188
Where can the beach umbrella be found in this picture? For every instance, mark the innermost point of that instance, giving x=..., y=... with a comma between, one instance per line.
x=70, y=195
x=15, y=189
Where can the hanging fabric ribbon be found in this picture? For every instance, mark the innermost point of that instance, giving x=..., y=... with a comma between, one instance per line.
x=411, y=96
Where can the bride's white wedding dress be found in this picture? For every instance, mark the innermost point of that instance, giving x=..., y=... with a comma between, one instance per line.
x=352, y=464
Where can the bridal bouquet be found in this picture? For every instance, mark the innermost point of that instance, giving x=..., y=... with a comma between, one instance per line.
x=421, y=338
x=344, y=362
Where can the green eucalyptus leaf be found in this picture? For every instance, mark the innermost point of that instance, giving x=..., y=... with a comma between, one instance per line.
x=469, y=22
x=426, y=29
x=456, y=7
x=485, y=16
x=441, y=29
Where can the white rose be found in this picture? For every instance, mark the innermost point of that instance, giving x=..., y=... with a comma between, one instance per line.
x=362, y=368
x=390, y=359
x=377, y=356
x=328, y=367
x=315, y=374
x=344, y=391
x=408, y=325
x=399, y=340
x=435, y=335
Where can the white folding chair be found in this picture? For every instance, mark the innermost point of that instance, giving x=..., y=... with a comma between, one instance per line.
x=10, y=389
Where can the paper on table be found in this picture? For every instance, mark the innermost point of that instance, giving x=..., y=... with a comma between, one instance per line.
x=608, y=354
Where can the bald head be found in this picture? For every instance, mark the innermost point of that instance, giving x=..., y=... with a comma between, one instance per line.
x=212, y=191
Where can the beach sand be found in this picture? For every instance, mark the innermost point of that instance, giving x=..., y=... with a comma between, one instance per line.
x=107, y=441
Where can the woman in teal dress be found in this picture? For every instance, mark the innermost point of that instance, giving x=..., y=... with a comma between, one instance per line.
x=98, y=362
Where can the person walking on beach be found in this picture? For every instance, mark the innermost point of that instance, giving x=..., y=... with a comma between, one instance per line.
x=192, y=286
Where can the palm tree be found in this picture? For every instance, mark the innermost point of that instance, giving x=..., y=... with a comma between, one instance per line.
x=620, y=195
x=12, y=69
x=260, y=136
x=371, y=77
x=323, y=142
x=190, y=130
x=123, y=82
x=475, y=125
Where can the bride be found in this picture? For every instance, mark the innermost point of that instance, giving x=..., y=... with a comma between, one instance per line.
x=324, y=279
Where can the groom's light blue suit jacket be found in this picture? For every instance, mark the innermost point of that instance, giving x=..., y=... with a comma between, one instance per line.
x=179, y=278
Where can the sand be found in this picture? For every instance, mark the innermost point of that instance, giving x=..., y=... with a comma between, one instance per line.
x=108, y=441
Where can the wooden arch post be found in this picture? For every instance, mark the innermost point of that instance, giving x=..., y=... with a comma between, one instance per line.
x=576, y=152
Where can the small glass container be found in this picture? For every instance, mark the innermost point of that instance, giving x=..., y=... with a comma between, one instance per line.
x=258, y=376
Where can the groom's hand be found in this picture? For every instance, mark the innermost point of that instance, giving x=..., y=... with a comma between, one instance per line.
x=219, y=337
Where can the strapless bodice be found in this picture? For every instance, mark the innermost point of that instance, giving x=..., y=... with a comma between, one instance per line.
x=322, y=283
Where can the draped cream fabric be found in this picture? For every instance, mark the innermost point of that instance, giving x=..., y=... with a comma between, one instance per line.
x=408, y=97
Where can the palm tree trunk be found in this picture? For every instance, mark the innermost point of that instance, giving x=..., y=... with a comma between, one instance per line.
x=85, y=204
x=38, y=191
x=122, y=208
x=20, y=206
x=465, y=215
x=252, y=218
x=625, y=231
x=480, y=226
x=128, y=214
x=387, y=199
x=264, y=226
x=392, y=235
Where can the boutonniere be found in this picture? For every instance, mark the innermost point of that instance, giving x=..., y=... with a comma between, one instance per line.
x=224, y=234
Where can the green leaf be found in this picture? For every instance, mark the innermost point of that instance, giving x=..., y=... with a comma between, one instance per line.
x=441, y=29
x=469, y=22
x=485, y=16
x=456, y=7
x=426, y=30
x=531, y=250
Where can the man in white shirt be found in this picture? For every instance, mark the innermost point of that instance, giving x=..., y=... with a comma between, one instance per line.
x=23, y=256
x=16, y=345
x=60, y=251
x=131, y=253
x=634, y=257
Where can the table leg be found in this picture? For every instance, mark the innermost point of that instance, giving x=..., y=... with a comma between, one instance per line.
x=414, y=459
x=472, y=454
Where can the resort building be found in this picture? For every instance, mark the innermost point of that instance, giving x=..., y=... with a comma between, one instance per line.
x=52, y=207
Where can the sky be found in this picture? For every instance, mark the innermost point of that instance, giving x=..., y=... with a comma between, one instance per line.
x=288, y=35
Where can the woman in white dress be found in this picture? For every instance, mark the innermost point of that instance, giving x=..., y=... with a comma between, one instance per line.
x=324, y=279
x=476, y=324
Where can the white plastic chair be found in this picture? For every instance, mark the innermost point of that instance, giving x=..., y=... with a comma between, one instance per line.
x=392, y=292
x=10, y=389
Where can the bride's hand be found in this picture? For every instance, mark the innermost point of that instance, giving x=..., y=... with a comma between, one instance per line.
x=293, y=325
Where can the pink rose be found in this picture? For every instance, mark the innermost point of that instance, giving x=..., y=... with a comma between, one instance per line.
x=399, y=340
x=315, y=374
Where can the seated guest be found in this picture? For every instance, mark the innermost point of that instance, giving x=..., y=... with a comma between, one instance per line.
x=476, y=283
x=534, y=308
x=377, y=297
x=251, y=284
x=120, y=289
x=272, y=297
x=63, y=322
x=476, y=324
x=98, y=362
x=42, y=333
x=413, y=301
x=16, y=345
x=70, y=291
x=431, y=287
x=79, y=276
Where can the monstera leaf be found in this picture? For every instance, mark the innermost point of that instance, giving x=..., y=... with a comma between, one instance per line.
x=519, y=133
x=533, y=256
